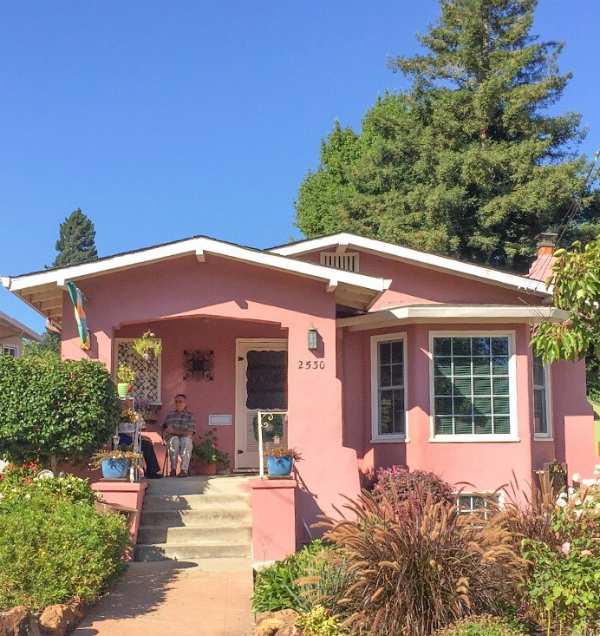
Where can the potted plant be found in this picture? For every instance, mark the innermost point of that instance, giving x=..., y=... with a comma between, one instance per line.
x=115, y=464
x=147, y=346
x=206, y=455
x=125, y=378
x=279, y=461
x=147, y=410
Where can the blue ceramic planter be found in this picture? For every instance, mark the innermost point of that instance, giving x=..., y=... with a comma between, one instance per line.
x=115, y=468
x=279, y=466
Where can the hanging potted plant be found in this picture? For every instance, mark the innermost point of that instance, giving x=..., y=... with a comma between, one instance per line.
x=279, y=461
x=147, y=346
x=114, y=464
x=125, y=378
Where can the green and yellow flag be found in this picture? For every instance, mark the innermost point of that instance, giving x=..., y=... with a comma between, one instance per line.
x=77, y=299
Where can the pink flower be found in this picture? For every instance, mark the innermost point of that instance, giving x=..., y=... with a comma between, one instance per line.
x=565, y=548
x=585, y=553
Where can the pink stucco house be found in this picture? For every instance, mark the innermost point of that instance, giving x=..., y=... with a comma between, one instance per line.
x=416, y=359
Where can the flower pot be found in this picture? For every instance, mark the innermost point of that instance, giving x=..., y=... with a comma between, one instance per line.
x=115, y=468
x=123, y=389
x=207, y=469
x=279, y=466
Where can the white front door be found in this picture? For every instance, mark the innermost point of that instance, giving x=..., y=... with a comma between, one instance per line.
x=261, y=385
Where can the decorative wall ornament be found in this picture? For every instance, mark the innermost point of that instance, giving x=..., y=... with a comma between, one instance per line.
x=199, y=365
x=147, y=374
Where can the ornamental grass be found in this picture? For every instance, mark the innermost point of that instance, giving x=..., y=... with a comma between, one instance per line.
x=419, y=566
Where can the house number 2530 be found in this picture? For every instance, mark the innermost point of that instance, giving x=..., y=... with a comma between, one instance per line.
x=311, y=364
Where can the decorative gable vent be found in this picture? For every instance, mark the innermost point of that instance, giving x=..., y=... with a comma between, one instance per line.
x=347, y=261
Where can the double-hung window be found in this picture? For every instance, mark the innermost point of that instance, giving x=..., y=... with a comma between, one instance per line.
x=388, y=388
x=542, y=424
x=472, y=384
x=9, y=350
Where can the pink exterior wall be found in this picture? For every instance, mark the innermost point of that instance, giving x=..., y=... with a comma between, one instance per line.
x=124, y=494
x=220, y=288
x=412, y=284
x=485, y=465
x=273, y=519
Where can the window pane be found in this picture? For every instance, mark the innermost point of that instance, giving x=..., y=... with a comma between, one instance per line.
x=462, y=406
x=464, y=426
x=482, y=406
x=500, y=366
x=443, y=406
x=443, y=426
x=538, y=372
x=539, y=411
x=501, y=406
x=483, y=425
x=481, y=347
x=462, y=387
x=500, y=346
x=442, y=346
x=461, y=346
x=384, y=353
x=397, y=352
x=481, y=366
x=462, y=366
x=397, y=375
x=386, y=412
x=500, y=386
x=442, y=386
x=398, y=411
x=443, y=367
x=385, y=376
x=501, y=425
x=482, y=386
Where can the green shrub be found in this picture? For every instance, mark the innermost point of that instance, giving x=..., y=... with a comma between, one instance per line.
x=484, y=625
x=319, y=622
x=50, y=408
x=420, y=566
x=276, y=587
x=20, y=482
x=53, y=548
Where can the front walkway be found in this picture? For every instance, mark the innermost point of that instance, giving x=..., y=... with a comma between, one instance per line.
x=162, y=598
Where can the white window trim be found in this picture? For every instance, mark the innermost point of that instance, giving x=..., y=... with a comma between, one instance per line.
x=549, y=436
x=14, y=347
x=376, y=437
x=116, y=363
x=489, y=438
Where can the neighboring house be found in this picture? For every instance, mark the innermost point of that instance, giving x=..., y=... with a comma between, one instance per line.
x=418, y=359
x=12, y=334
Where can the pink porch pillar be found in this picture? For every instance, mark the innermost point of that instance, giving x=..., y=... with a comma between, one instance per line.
x=123, y=493
x=273, y=518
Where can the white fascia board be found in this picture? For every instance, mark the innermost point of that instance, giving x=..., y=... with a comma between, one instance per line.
x=196, y=246
x=390, y=316
x=423, y=259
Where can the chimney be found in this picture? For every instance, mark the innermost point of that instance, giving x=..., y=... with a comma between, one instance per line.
x=541, y=267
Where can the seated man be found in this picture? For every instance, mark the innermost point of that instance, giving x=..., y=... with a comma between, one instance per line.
x=179, y=427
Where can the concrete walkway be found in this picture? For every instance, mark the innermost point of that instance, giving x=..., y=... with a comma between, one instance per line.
x=165, y=598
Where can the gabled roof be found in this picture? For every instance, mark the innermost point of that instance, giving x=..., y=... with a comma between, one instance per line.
x=344, y=240
x=43, y=290
x=18, y=328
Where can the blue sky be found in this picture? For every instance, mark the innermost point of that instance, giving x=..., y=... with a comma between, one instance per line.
x=162, y=120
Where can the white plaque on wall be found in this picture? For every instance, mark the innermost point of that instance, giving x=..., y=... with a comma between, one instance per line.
x=220, y=420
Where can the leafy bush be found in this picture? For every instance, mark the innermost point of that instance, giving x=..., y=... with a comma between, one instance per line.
x=276, y=587
x=53, y=548
x=319, y=622
x=484, y=625
x=564, y=583
x=50, y=408
x=398, y=483
x=419, y=566
x=20, y=482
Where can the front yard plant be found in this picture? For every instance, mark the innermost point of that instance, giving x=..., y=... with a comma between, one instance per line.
x=54, y=410
x=55, y=547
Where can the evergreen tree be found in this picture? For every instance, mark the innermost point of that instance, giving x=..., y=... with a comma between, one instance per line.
x=77, y=240
x=467, y=162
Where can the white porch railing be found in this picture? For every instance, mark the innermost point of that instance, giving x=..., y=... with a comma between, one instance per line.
x=265, y=421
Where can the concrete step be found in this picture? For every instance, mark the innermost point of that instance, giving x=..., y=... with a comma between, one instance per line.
x=221, y=484
x=206, y=514
x=195, y=502
x=183, y=552
x=225, y=533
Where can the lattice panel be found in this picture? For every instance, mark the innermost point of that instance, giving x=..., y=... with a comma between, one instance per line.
x=147, y=374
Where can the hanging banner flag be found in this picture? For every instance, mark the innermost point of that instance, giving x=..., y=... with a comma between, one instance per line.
x=77, y=299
